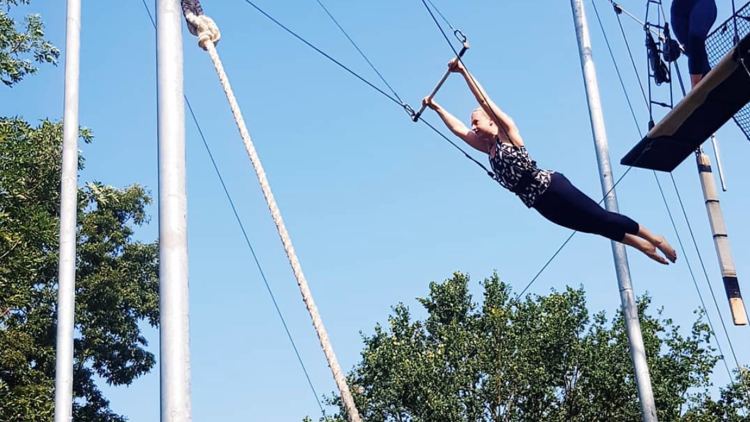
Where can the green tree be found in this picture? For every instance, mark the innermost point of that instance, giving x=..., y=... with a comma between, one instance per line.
x=538, y=358
x=732, y=405
x=116, y=276
x=116, y=280
x=20, y=43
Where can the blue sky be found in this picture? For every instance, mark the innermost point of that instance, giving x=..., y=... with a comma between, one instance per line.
x=377, y=206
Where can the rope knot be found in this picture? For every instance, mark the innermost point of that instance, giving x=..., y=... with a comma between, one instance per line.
x=199, y=24
x=204, y=28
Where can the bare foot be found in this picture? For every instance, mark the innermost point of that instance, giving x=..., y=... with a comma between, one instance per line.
x=646, y=247
x=651, y=253
x=666, y=248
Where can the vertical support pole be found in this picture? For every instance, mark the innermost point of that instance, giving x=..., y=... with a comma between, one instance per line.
x=627, y=297
x=721, y=239
x=718, y=228
x=718, y=162
x=68, y=216
x=173, y=255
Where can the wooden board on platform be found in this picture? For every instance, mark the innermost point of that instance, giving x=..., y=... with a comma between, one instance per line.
x=705, y=109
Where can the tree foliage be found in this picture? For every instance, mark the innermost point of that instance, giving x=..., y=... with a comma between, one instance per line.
x=22, y=45
x=538, y=358
x=116, y=276
x=116, y=280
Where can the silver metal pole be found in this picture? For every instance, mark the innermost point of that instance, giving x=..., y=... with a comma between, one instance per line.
x=627, y=298
x=173, y=254
x=718, y=163
x=68, y=214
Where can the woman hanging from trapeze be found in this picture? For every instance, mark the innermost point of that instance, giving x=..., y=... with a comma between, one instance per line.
x=550, y=193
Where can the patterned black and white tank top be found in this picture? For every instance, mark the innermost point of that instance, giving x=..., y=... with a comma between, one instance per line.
x=516, y=171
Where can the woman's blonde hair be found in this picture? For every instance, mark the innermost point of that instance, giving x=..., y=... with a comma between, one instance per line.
x=480, y=109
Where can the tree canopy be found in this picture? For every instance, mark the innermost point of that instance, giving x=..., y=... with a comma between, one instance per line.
x=538, y=358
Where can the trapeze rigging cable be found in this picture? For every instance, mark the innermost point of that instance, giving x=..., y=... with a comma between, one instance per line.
x=398, y=100
x=442, y=16
x=208, y=35
x=661, y=190
x=458, y=34
x=700, y=256
x=705, y=272
x=410, y=110
x=549, y=261
x=456, y=53
x=247, y=240
x=353, y=73
x=359, y=50
x=618, y=10
x=632, y=60
x=255, y=257
x=617, y=68
x=668, y=42
x=405, y=106
x=401, y=103
x=731, y=346
x=557, y=252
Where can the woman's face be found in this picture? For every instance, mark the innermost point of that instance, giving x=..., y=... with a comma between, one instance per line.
x=482, y=125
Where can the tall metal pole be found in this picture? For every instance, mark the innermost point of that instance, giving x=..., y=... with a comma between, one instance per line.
x=721, y=238
x=718, y=228
x=627, y=298
x=173, y=255
x=68, y=214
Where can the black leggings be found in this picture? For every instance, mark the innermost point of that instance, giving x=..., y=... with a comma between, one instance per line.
x=563, y=204
x=691, y=21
